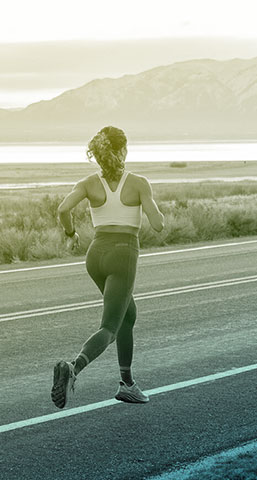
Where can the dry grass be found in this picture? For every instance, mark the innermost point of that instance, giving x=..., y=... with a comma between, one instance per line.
x=29, y=227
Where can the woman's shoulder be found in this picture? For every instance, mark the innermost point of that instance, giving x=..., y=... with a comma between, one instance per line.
x=138, y=179
x=88, y=180
x=87, y=184
x=136, y=176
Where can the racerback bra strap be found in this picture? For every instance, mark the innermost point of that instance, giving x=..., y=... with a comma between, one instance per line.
x=113, y=211
x=118, y=189
x=122, y=181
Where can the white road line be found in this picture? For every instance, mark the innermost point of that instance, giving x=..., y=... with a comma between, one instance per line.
x=165, y=294
x=107, y=403
x=139, y=296
x=152, y=254
x=51, y=312
x=53, y=309
x=42, y=267
x=205, y=247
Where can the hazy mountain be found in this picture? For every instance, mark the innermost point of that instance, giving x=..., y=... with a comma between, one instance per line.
x=197, y=99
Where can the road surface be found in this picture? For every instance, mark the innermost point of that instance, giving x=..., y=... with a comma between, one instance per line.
x=195, y=352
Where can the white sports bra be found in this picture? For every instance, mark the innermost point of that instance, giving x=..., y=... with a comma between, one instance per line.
x=113, y=211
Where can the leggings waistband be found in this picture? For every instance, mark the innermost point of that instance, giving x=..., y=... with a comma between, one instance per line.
x=105, y=239
x=115, y=236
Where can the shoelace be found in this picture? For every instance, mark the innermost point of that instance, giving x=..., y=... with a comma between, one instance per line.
x=74, y=378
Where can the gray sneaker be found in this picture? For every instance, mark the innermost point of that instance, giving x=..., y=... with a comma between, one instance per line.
x=131, y=394
x=63, y=383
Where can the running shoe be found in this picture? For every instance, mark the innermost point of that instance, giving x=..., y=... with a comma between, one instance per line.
x=131, y=394
x=63, y=383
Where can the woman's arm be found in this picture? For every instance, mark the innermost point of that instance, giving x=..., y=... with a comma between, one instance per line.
x=150, y=208
x=73, y=198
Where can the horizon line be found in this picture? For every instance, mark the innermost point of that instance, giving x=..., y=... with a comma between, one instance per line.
x=127, y=39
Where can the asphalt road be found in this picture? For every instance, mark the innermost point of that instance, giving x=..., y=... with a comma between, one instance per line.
x=196, y=317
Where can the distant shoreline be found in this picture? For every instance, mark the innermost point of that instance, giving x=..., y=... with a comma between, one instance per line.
x=70, y=173
x=165, y=181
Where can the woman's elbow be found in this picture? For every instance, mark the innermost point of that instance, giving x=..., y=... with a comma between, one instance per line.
x=159, y=228
x=62, y=209
x=159, y=224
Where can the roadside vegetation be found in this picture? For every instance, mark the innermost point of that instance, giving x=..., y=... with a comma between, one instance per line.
x=235, y=464
x=29, y=227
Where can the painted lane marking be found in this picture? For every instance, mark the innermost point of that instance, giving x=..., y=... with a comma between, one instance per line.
x=50, y=312
x=42, y=267
x=139, y=296
x=193, y=249
x=107, y=403
x=152, y=254
x=53, y=309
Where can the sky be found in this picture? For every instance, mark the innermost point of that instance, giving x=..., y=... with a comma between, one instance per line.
x=48, y=46
x=44, y=20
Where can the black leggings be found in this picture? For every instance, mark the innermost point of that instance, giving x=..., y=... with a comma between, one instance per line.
x=111, y=262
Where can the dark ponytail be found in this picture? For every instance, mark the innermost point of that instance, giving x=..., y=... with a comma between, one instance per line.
x=106, y=147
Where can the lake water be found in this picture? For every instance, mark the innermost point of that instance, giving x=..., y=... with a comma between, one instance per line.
x=136, y=153
x=24, y=186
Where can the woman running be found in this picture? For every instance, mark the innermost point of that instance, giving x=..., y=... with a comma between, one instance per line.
x=116, y=199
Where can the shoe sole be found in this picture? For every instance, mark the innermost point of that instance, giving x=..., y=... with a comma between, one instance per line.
x=59, y=392
x=129, y=399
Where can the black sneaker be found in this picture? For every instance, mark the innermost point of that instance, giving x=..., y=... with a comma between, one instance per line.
x=63, y=383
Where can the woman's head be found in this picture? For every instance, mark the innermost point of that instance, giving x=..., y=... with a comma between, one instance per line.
x=109, y=147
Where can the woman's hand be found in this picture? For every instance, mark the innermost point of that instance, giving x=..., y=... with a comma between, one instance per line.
x=73, y=242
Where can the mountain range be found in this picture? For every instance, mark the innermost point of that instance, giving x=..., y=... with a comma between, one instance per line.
x=197, y=100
